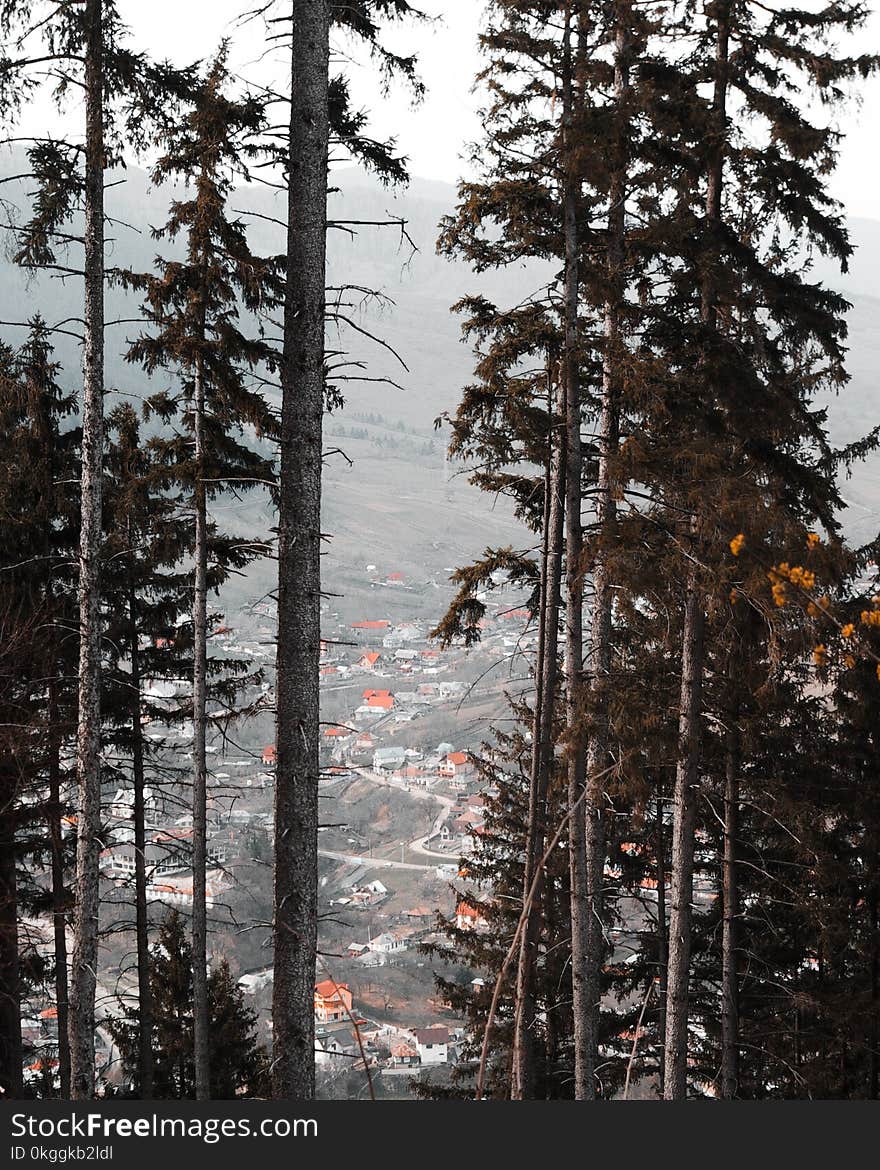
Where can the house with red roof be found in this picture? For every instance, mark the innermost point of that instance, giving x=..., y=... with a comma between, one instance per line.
x=404, y=1054
x=332, y=1001
x=370, y=631
x=375, y=704
x=337, y=734
x=456, y=766
x=468, y=917
x=368, y=660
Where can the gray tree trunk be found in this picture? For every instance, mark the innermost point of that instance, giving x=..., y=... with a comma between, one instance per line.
x=687, y=776
x=145, y=995
x=200, y=771
x=603, y=593
x=299, y=566
x=662, y=939
x=690, y=714
x=522, y=1080
x=730, y=906
x=574, y=583
x=59, y=893
x=88, y=744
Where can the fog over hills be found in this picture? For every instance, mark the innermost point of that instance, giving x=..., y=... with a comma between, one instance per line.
x=396, y=504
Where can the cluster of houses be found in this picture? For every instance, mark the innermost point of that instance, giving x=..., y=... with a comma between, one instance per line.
x=378, y=647
x=343, y=1035
x=344, y=745
x=168, y=849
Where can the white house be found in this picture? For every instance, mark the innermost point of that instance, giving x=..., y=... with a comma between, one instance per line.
x=122, y=807
x=432, y=1044
x=388, y=759
x=255, y=981
x=387, y=944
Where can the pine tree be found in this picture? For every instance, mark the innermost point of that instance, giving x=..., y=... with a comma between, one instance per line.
x=147, y=595
x=237, y=1063
x=39, y=526
x=194, y=307
x=121, y=90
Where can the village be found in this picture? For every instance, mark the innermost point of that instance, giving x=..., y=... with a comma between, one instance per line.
x=403, y=797
x=404, y=785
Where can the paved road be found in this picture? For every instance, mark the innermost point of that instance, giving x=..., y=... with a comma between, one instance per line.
x=372, y=862
x=446, y=807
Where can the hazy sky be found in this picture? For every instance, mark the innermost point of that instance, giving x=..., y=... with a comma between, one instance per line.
x=433, y=134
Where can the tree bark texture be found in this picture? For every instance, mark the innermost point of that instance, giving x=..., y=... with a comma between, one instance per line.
x=88, y=746
x=299, y=550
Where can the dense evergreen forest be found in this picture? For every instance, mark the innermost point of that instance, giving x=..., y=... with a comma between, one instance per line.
x=677, y=888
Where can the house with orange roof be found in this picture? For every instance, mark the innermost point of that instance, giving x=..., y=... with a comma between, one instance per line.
x=368, y=660
x=468, y=917
x=337, y=734
x=332, y=1001
x=404, y=1054
x=375, y=704
x=269, y=754
x=381, y=702
x=456, y=766
x=370, y=631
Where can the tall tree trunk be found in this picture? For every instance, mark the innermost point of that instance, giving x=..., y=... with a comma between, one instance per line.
x=603, y=594
x=521, y=1062
x=145, y=994
x=299, y=551
x=200, y=770
x=662, y=941
x=552, y=1028
x=730, y=905
x=690, y=712
x=522, y=1080
x=10, y=983
x=88, y=754
x=687, y=774
x=59, y=892
x=873, y=1030
x=574, y=583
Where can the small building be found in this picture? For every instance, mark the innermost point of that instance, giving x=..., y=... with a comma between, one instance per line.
x=387, y=760
x=335, y=736
x=370, y=631
x=457, y=766
x=467, y=917
x=269, y=754
x=122, y=807
x=432, y=1044
x=404, y=1054
x=376, y=706
x=368, y=660
x=387, y=943
x=254, y=981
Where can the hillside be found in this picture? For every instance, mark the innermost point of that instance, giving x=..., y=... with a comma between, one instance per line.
x=390, y=499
